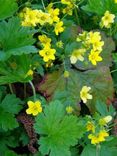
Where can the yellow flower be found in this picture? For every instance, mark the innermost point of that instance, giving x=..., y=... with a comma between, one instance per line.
x=59, y=44
x=30, y=72
x=49, y=6
x=98, y=46
x=94, y=37
x=54, y=13
x=34, y=108
x=82, y=36
x=84, y=95
x=107, y=20
x=59, y=27
x=47, y=53
x=77, y=55
x=108, y=118
x=94, y=139
x=94, y=57
x=90, y=126
x=102, y=135
x=43, y=17
x=115, y=1
x=44, y=40
x=105, y=120
x=66, y=74
x=30, y=17
x=69, y=109
x=97, y=138
x=33, y=17
x=68, y=2
x=68, y=10
x=95, y=40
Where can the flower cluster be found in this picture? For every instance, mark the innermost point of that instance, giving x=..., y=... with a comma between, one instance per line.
x=69, y=6
x=54, y=19
x=33, y=17
x=36, y=17
x=98, y=130
x=47, y=52
x=107, y=20
x=91, y=44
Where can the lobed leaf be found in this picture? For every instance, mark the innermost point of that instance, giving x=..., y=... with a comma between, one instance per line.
x=56, y=134
x=8, y=108
x=15, y=39
x=7, y=8
x=98, y=79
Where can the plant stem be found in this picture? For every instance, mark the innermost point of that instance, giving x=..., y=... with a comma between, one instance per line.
x=76, y=14
x=56, y=3
x=11, y=89
x=33, y=89
x=114, y=71
x=97, y=150
x=80, y=2
x=43, y=4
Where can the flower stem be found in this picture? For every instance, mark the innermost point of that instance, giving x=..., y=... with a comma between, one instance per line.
x=33, y=89
x=76, y=14
x=43, y=4
x=11, y=89
x=97, y=150
x=114, y=71
x=56, y=3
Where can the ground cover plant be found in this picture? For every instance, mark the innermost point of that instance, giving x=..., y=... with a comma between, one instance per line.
x=58, y=77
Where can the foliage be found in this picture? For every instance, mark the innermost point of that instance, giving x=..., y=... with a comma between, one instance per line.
x=95, y=78
x=91, y=151
x=102, y=6
x=8, y=108
x=58, y=81
x=14, y=39
x=56, y=134
x=8, y=8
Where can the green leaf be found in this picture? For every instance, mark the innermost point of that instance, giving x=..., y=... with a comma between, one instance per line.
x=11, y=74
x=98, y=79
x=15, y=39
x=103, y=109
x=7, y=120
x=102, y=5
x=11, y=104
x=6, y=140
x=7, y=8
x=55, y=130
x=8, y=108
x=89, y=151
x=3, y=92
